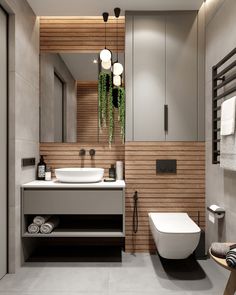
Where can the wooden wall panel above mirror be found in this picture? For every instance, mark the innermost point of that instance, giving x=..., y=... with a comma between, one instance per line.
x=80, y=34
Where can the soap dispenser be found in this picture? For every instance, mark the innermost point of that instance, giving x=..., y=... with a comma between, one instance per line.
x=41, y=169
x=112, y=172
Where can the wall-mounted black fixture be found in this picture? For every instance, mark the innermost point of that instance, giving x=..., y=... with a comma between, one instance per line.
x=92, y=153
x=82, y=152
x=27, y=162
x=166, y=166
x=223, y=72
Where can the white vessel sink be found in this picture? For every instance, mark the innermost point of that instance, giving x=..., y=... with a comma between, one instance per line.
x=81, y=175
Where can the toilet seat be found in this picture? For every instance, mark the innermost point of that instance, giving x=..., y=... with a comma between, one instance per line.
x=174, y=223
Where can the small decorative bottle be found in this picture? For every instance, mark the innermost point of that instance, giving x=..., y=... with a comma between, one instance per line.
x=41, y=169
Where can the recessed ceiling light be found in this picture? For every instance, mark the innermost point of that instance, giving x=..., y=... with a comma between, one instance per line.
x=95, y=61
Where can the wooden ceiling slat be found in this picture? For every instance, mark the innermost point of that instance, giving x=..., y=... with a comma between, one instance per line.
x=80, y=34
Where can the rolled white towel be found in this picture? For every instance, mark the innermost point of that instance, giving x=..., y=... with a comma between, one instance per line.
x=50, y=225
x=39, y=220
x=33, y=228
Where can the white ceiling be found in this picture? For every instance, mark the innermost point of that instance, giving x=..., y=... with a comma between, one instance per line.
x=97, y=7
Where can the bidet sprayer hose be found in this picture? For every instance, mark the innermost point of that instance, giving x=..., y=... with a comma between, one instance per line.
x=135, y=213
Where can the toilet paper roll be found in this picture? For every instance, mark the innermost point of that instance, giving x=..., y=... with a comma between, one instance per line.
x=215, y=208
x=119, y=170
x=211, y=217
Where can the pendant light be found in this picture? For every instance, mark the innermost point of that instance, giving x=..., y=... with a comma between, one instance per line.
x=117, y=67
x=117, y=80
x=106, y=65
x=105, y=54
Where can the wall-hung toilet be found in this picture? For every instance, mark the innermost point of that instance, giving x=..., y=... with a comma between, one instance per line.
x=176, y=235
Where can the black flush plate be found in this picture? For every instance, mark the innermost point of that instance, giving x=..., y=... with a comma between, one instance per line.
x=28, y=162
x=166, y=166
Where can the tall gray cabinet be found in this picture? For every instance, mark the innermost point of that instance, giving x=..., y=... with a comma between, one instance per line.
x=3, y=143
x=163, y=77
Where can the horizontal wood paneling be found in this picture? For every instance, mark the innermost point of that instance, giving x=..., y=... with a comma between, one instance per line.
x=87, y=111
x=182, y=192
x=58, y=155
x=87, y=115
x=80, y=34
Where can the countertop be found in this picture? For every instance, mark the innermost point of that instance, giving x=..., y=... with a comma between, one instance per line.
x=56, y=184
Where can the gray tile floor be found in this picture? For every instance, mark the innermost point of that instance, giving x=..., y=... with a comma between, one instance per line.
x=137, y=274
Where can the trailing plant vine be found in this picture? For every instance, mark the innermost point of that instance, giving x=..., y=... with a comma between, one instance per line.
x=121, y=108
x=106, y=106
x=111, y=113
x=102, y=99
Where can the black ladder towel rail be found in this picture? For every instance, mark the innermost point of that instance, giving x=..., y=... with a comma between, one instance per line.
x=221, y=77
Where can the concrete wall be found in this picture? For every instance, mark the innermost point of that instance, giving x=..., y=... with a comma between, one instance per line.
x=220, y=184
x=50, y=63
x=23, y=111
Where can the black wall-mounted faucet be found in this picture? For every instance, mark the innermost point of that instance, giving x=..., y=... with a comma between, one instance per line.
x=92, y=152
x=82, y=152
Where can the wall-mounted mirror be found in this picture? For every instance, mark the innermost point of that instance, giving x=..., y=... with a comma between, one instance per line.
x=69, y=98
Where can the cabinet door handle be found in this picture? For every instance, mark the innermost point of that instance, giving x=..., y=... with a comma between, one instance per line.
x=166, y=117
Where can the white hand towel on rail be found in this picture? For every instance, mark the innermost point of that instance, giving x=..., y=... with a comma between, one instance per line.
x=228, y=116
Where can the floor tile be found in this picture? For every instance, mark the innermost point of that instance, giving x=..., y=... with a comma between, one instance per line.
x=137, y=274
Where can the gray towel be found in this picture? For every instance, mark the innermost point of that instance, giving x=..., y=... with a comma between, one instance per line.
x=231, y=258
x=220, y=249
x=33, y=228
x=39, y=220
x=49, y=226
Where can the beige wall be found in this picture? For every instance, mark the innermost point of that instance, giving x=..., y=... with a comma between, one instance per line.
x=23, y=111
x=220, y=184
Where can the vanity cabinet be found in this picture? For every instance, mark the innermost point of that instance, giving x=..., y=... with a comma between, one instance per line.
x=90, y=215
x=163, y=77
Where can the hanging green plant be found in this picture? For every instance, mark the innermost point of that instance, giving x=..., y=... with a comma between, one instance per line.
x=111, y=112
x=102, y=99
x=121, y=109
x=110, y=98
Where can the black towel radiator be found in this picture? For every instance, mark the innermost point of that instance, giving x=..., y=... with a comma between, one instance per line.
x=223, y=73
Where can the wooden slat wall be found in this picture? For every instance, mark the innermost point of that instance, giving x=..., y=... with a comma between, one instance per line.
x=183, y=192
x=87, y=111
x=87, y=115
x=58, y=155
x=80, y=34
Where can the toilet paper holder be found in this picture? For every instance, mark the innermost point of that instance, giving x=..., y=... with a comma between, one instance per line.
x=217, y=211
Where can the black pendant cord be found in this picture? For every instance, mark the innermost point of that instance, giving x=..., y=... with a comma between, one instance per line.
x=105, y=35
x=117, y=15
x=135, y=213
x=105, y=16
x=117, y=39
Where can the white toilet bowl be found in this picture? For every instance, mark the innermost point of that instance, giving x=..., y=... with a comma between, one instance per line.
x=176, y=235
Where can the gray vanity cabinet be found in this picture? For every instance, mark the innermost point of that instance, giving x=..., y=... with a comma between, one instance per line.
x=162, y=68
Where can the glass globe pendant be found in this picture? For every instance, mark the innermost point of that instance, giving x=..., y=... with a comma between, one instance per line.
x=117, y=80
x=106, y=65
x=105, y=55
x=117, y=69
